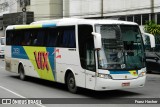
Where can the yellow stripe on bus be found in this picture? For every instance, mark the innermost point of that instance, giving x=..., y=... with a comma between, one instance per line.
x=28, y=26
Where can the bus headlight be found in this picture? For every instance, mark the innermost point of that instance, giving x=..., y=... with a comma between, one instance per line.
x=142, y=74
x=106, y=76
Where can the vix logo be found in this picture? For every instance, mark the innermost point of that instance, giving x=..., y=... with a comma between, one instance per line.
x=58, y=53
x=42, y=60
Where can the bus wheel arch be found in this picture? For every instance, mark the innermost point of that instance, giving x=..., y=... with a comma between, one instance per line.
x=21, y=71
x=70, y=81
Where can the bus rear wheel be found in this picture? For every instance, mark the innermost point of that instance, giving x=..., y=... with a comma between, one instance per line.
x=21, y=72
x=71, y=83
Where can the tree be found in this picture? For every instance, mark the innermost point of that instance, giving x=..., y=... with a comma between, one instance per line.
x=152, y=28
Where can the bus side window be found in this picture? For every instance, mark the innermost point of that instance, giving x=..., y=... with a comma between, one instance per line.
x=33, y=37
x=18, y=37
x=66, y=37
x=69, y=38
x=86, y=47
x=9, y=37
x=40, y=38
x=60, y=38
x=52, y=37
x=26, y=40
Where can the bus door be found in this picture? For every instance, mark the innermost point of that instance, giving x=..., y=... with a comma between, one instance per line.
x=87, y=54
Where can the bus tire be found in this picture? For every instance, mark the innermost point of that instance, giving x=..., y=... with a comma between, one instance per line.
x=21, y=72
x=71, y=83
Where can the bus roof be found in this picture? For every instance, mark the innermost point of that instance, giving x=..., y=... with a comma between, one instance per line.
x=68, y=21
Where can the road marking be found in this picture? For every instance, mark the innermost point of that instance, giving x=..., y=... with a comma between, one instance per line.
x=12, y=92
x=17, y=94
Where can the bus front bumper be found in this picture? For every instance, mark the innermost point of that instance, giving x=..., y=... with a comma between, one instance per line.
x=109, y=84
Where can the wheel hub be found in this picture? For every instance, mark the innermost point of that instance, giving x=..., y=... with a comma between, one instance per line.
x=71, y=82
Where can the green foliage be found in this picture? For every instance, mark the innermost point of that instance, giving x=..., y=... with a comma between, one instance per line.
x=152, y=28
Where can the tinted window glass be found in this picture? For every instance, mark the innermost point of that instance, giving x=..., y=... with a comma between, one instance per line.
x=17, y=37
x=66, y=37
x=26, y=40
x=86, y=47
x=9, y=37
x=50, y=37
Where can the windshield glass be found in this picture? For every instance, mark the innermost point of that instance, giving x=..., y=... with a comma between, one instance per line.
x=2, y=41
x=122, y=47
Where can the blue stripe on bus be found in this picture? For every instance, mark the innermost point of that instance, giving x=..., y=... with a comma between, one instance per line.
x=19, y=52
x=119, y=72
x=51, y=59
x=48, y=25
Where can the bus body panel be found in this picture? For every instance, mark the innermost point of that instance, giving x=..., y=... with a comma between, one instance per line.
x=90, y=79
x=8, y=58
x=68, y=59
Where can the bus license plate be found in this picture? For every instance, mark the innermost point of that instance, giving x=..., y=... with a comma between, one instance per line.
x=126, y=84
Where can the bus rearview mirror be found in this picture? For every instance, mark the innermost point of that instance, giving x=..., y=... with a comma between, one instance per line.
x=151, y=38
x=97, y=40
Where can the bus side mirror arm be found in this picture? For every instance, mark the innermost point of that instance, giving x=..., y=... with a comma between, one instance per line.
x=97, y=40
x=152, y=39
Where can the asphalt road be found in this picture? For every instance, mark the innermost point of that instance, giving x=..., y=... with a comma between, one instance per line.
x=12, y=87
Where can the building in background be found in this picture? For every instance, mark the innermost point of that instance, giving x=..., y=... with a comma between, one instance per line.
x=10, y=14
x=138, y=11
x=46, y=9
x=4, y=8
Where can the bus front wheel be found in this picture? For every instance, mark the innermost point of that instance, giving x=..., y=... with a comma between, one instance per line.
x=21, y=72
x=71, y=83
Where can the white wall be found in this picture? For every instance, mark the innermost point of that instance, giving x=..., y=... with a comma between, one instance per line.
x=125, y=7
x=85, y=8
x=46, y=9
x=13, y=6
x=81, y=8
x=157, y=5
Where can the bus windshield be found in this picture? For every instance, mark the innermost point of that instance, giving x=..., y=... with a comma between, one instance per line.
x=122, y=47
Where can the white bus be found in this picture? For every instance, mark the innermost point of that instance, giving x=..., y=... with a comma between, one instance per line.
x=93, y=54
